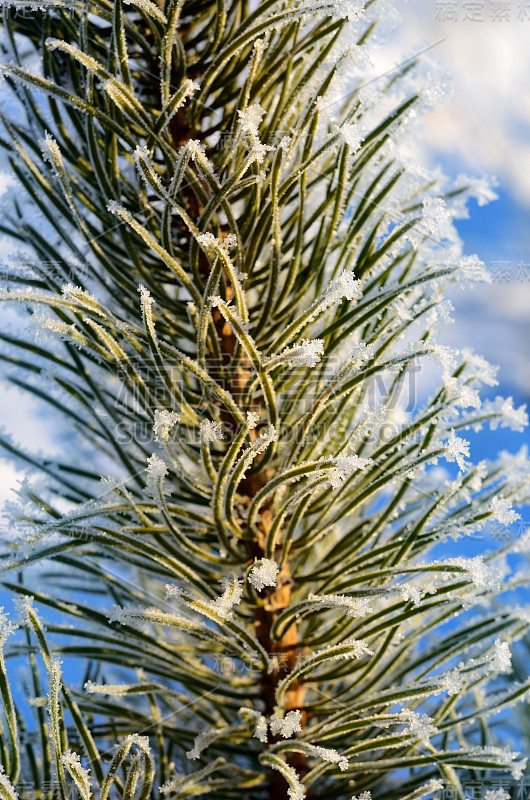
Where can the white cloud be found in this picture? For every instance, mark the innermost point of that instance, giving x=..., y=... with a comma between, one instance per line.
x=484, y=129
x=487, y=126
x=494, y=320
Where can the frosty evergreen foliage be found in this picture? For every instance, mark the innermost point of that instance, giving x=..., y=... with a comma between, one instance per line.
x=236, y=273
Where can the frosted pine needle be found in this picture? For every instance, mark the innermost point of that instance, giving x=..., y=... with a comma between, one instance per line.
x=232, y=594
x=293, y=266
x=356, y=607
x=80, y=775
x=330, y=755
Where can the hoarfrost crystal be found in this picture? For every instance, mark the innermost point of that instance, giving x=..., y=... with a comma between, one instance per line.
x=264, y=573
x=253, y=418
x=503, y=511
x=307, y=353
x=164, y=421
x=156, y=472
x=419, y=725
x=331, y=755
x=344, y=286
x=437, y=217
x=497, y=794
x=352, y=136
x=356, y=606
x=287, y=725
x=501, y=660
x=232, y=594
x=211, y=431
x=250, y=119
x=452, y=682
x=344, y=467
x=351, y=10
x=457, y=449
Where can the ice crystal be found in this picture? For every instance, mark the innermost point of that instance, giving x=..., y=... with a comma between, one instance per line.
x=211, y=431
x=307, y=353
x=503, y=511
x=360, y=352
x=209, y=241
x=471, y=270
x=200, y=743
x=196, y=150
x=351, y=10
x=445, y=356
x=483, y=575
x=287, y=725
x=352, y=136
x=260, y=731
x=480, y=188
x=296, y=790
x=6, y=627
x=253, y=418
x=127, y=615
x=260, y=150
x=479, y=367
x=418, y=725
x=437, y=217
x=434, y=785
x=457, y=449
x=264, y=573
x=412, y=593
x=250, y=119
x=164, y=421
x=501, y=660
x=515, y=763
x=344, y=467
x=266, y=437
x=451, y=682
x=8, y=790
x=505, y=414
x=256, y=719
x=232, y=594
x=344, y=286
x=156, y=472
x=357, y=607
x=359, y=648
x=110, y=688
x=497, y=794
x=465, y=395
x=438, y=88
x=82, y=298
x=331, y=755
